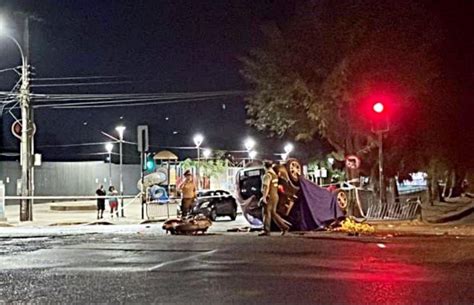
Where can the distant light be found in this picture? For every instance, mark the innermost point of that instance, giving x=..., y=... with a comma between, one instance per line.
x=381, y=246
x=378, y=107
x=288, y=148
x=109, y=147
x=223, y=106
x=331, y=160
x=3, y=28
x=249, y=143
x=175, y=132
x=84, y=123
x=252, y=154
x=198, y=138
x=120, y=130
x=121, y=117
x=207, y=153
x=167, y=118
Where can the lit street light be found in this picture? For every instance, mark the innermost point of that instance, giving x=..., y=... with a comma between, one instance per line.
x=26, y=146
x=288, y=149
x=120, y=130
x=252, y=154
x=198, y=138
x=109, y=147
x=206, y=153
x=249, y=143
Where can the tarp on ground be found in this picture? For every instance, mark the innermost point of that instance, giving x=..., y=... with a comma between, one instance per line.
x=315, y=208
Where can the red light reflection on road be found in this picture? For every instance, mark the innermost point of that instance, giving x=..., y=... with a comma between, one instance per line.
x=380, y=276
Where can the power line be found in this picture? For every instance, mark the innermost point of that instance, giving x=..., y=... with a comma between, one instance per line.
x=135, y=104
x=85, y=84
x=79, y=77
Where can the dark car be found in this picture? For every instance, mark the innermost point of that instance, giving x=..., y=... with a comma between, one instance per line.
x=214, y=203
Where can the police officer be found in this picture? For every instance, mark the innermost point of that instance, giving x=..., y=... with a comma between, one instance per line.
x=270, y=201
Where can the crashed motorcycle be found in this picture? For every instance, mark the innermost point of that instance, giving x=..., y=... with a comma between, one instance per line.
x=191, y=225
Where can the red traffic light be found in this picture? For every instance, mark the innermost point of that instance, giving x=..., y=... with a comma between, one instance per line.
x=378, y=107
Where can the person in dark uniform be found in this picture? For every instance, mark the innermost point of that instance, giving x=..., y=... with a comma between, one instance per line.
x=270, y=201
x=100, y=201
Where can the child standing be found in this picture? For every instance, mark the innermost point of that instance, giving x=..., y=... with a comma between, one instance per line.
x=113, y=201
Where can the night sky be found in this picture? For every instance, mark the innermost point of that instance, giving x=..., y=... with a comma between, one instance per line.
x=151, y=46
x=173, y=46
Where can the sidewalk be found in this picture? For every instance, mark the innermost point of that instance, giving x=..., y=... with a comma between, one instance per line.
x=83, y=212
x=415, y=227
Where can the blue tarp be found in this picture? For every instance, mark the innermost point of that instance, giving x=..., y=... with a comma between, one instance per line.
x=315, y=208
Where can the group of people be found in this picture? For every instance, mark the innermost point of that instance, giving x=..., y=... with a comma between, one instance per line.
x=189, y=194
x=269, y=199
x=111, y=197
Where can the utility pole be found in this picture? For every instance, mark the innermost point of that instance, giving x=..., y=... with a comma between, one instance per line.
x=26, y=208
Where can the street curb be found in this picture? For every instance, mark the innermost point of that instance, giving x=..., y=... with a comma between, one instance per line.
x=5, y=225
x=101, y=222
x=452, y=216
x=73, y=223
x=72, y=207
x=144, y=222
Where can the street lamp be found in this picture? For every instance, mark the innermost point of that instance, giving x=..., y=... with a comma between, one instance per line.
x=249, y=143
x=120, y=130
x=198, y=138
x=26, y=151
x=109, y=147
x=252, y=154
x=206, y=153
x=288, y=149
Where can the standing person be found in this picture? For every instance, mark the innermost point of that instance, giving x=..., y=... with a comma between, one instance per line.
x=113, y=201
x=188, y=193
x=270, y=201
x=100, y=201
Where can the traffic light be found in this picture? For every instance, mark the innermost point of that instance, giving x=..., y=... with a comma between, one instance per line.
x=380, y=122
x=149, y=164
x=378, y=107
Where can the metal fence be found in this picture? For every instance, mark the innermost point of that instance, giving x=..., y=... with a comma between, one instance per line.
x=70, y=178
x=404, y=207
x=402, y=210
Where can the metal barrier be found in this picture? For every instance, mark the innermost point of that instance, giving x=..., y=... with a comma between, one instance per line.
x=402, y=210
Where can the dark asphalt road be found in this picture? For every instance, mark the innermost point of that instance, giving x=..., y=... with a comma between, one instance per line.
x=239, y=268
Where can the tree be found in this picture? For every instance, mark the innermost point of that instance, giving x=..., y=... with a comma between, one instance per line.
x=317, y=76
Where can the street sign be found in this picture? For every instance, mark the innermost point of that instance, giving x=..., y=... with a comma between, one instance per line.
x=352, y=162
x=142, y=137
x=17, y=129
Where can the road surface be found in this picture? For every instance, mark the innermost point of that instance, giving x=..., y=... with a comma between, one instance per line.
x=142, y=265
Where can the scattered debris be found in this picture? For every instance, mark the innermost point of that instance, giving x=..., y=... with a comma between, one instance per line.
x=350, y=226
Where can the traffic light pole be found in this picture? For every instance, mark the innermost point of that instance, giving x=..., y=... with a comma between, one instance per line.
x=142, y=166
x=381, y=174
